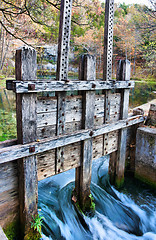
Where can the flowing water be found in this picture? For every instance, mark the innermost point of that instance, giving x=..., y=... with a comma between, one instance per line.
x=127, y=215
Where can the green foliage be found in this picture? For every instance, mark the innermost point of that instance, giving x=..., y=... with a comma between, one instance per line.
x=92, y=202
x=142, y=93
x=124, y=7
x=2, y=81
x=37, y=222
x=12, y=230
x=7, y=125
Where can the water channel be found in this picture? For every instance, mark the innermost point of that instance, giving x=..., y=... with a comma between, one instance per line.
x=126, y=215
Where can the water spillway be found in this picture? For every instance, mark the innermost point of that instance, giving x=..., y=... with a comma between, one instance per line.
x=130, y=214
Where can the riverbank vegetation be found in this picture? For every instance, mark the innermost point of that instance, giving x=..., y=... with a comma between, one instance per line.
x=37, y=24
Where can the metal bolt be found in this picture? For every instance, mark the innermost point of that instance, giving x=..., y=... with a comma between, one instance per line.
x=67, y=80
x=43, y=130
x=32, y=149
x=31, y=87
x=91, y=133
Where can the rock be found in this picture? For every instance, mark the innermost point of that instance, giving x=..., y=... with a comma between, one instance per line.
x=151, y=119
x=138, y=111
x=145, y=157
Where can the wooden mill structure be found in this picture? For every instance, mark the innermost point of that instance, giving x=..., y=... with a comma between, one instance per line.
x=55, y=134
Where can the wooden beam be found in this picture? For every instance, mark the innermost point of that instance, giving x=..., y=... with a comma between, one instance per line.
x=26, y=66
x=19, y=151
x=46, y=85
x=117, y=160
x=83, y=173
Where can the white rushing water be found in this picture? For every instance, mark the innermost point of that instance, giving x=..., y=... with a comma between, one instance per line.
x=118, y=216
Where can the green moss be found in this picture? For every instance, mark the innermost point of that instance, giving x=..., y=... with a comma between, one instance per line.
x=32, y=235
x=119, y=182
x=152, y=184
x=151, y=141
x=12, y=230
x=88, y=205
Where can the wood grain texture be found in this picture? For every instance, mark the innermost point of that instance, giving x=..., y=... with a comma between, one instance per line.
x=123, y=73
x=18, y=151
x=46, y=164
x=74, y=85
x=83, y=173
x=26, y=65
x=9, y=198
x=46, y=161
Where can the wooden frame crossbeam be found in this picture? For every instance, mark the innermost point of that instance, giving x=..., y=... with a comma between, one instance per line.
x=19, y=151
x=44, y=86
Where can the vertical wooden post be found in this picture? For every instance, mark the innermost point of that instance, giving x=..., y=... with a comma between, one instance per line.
x=62, y=74
x=83, y=173
x=26, y=66
x=117, y=161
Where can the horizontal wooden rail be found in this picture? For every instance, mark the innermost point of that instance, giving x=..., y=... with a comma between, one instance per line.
x=47, y=85
x=19, y=151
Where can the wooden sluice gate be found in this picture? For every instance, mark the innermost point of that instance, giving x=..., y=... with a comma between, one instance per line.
x=61, y=132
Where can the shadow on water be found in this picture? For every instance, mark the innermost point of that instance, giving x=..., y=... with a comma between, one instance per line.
x=118, y=215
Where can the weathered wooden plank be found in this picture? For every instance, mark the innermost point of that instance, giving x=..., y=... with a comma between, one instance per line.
x=26, y=65
x=46, y=161
x=49, y=104
x=112, y=143
x=72, y=157
x=26, y=117
x=8, y=143
x=123, y=72
x=97, y=147
x=74, y=110
x=15, y=152
x=46, y=119
x=59, y=86
x=46, y=132
x=46, y=164
x=50, y=131
x=9, y=199
x=83, y=173
x=46, y=104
